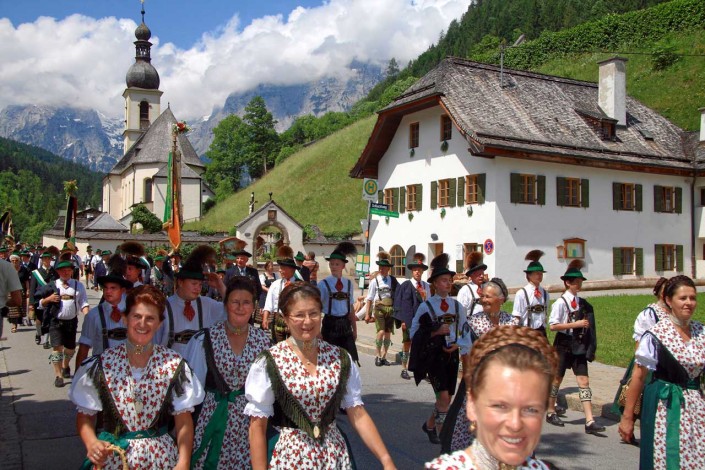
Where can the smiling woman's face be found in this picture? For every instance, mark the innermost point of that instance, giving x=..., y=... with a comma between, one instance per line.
x=509, y=410
x=142, y=323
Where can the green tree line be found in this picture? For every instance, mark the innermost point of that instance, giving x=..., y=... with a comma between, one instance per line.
x=31, y=187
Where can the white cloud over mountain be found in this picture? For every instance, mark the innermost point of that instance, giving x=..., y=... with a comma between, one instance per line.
x=82, y=61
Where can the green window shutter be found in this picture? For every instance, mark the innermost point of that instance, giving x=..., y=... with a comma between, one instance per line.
x=679, y=200
x=419, y=196
x=395, y=200
x=434, y=194
x=616, y=261
x=637, y=196
x=402, y=200
x=461, y=191
x=585, y=193
x=658, y=201
x=639, y=255
x=451, y=192
x=560, y=191
x=658, y=256
x=616, y=190
x=380, y=196
x=481, y=179
x=541, y=190
x=514, y=188
x=459, y=266
x=679, y=258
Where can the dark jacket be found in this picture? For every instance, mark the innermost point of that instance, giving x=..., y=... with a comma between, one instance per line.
x=406, y=303
x=100, y=269
x=47, y=275
x=425, y=349
x=305, y=273
x=250, y=272
x=585, y=342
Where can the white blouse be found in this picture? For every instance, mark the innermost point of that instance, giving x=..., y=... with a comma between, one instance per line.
x=260, y=396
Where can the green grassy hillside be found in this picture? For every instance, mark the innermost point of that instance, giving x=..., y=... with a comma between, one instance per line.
x=312, y=186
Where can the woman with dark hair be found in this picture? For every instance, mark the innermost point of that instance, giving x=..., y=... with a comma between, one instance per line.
x=673, y=412
x=266, y=279
x=298, y=386
x=221, y=357
x=140, y=388
x=493, y=295
x=509, y=375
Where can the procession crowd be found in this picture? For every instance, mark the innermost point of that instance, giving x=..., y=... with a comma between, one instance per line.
x=186, y=365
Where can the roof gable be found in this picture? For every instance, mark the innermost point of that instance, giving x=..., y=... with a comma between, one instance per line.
x=155, y=144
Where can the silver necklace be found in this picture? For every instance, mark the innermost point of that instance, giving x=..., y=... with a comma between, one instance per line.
x=236, y=330
x=304, y=345
x=138, y=349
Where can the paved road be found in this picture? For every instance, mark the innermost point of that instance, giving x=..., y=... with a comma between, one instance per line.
x=38, y=429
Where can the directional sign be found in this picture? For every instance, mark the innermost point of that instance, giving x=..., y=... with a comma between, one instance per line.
x=369, y=190
x=384, y=212
x=380, y=206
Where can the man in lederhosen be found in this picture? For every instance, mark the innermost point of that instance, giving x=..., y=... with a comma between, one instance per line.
x=531, y=301
x=187, y=311
x=41, y=276
x=406, y=302
x=271, y=315
x=104, y=327
x=469, y=295
x=337, y=297
x=381, y=296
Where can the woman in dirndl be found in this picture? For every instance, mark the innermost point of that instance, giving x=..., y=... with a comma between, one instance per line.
x=673, y=411
x=221, y=357
x=140, y=388
x=16, y=315
x=493, y=295
x=297, y=387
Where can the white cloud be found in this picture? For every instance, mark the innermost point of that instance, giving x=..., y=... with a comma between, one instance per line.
x=82, y=61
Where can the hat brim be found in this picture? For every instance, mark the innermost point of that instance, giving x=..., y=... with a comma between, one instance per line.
x=568, y=278
x=417, y=265
x=289, y=262
x=440, y=272
x=476, y=268
x=185, y=274
x=102, y=280
x=385, y=263
x=241, y=253
x=342, y=258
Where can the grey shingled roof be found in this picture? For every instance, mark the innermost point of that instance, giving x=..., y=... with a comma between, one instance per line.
x=186, y=172
x=154, y=146
x=533, y=112
x=83, y=219
x=105, y=223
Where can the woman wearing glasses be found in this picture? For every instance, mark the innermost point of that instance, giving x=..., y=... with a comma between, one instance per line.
x=298, y=386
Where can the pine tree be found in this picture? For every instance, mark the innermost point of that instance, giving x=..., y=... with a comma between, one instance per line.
x=263, y=140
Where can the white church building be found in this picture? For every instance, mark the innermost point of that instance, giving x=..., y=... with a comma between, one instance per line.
x=141, y=174
x=504, y=161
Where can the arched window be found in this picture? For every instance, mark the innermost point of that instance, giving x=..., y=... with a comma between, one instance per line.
x=147, y=192
x=399, y=262
x=144, y=115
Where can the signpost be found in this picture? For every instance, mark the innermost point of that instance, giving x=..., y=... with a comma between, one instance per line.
x=382, y=209
x=369, y=190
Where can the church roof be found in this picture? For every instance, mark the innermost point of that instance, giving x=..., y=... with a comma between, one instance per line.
x=529, y=114
x=186, y=172
x=155, y=144
x=105, y=223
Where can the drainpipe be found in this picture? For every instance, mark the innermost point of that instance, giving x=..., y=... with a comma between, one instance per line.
x=692, y=224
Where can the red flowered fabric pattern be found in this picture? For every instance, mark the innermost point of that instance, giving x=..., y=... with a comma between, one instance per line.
x=235, y=452
x=461, y=461
x=480, y=324
x=295, y=449
x=158, y=452
x=691, y=355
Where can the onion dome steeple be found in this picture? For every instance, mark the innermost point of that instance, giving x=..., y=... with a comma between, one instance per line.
x=142, y=73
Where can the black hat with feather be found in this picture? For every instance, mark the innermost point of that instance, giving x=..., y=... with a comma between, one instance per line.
x=285, y=256
x=134, y=252
x=534, y=266
x=473, y=262
x=417, y=262
x=193, y=267
x=439, y=267
x=342, y=251
x=116, y=272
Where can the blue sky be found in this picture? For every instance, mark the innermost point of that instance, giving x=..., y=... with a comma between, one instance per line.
x=76, y=52
x=179, y=21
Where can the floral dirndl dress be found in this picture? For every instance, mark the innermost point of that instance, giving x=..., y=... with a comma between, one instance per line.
x=460, y=460
x=107, y=383
x=458, y=436
x=673, y=412
x=297, y=447
x=233, y=452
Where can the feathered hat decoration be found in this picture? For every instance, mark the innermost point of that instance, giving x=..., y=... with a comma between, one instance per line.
x=534, y=266
x=134, y=252
x=417, y=262
x=574, y=271
x=473, y=262
x=116, y=271
x=193, y=266
x=342, y=251
x=285, y=256
x=439, y=267
x=384, y=259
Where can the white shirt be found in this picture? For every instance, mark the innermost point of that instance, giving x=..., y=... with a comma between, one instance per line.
x=521, y=309
x=92, y=328
x=271, y=304
x=9, y=281
x=459, y=329
x=644, y=321
x=560, y=313
x=213, y=312
x=468, y=298
x=380, y=288
x=338, y=308
x=70, y=307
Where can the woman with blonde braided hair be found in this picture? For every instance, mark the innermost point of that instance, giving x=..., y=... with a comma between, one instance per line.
x=509, y=376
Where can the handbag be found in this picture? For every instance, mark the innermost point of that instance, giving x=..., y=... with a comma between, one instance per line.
x=622, y=400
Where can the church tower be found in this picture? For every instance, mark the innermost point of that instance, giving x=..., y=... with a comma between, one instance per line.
x=142, y=95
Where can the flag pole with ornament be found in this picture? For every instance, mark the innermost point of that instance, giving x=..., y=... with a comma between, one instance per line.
x=70, y=188
x=173, y=214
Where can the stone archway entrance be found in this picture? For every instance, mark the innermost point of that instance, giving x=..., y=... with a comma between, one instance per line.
x=270, y=215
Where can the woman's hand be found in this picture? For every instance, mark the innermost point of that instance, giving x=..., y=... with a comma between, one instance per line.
x=452, y=348
x=442, y=330
x=98, y=452
x=626, y=429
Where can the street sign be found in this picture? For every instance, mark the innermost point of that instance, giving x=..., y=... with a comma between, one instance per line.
x=380, y=206
x=384, y=212
x=369, y=190
x=362, y=264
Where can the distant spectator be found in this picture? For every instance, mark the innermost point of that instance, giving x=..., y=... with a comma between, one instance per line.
x=312, y=265
x=10, y=291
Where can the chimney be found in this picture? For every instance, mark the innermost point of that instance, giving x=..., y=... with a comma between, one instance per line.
x=702, y=124
x=612, y=91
